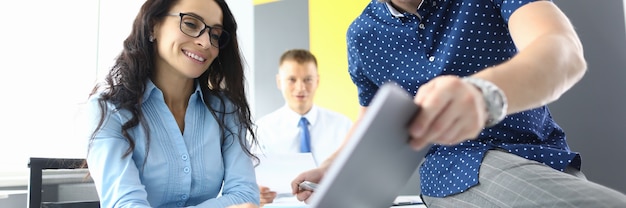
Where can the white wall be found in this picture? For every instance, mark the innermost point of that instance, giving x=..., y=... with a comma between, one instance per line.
x=243, y=11
x=48, y=56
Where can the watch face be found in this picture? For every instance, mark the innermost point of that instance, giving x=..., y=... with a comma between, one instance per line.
x=497, y=109
x=494, y=99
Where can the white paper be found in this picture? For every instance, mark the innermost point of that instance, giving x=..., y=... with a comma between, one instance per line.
x=277, y=170
x=286, y=202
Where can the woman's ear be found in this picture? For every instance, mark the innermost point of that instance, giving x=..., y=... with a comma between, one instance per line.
x=154, y=33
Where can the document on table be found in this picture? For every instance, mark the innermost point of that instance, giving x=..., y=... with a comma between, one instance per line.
x=289, y=202
x=277, y=170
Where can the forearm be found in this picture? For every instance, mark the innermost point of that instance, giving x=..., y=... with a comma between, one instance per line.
x=239, y=185
x=550, y=59
x=538, y=75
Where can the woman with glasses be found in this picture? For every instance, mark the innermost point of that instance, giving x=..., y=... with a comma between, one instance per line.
x=169, y=123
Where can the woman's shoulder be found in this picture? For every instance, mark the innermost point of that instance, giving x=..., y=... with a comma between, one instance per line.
x=97, y=104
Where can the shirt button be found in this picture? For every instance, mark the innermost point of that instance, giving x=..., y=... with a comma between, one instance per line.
x=186, y=169
x=184, y=196
x=421, y=26
x=431, y=59
x=180, y=204
x=184, y=157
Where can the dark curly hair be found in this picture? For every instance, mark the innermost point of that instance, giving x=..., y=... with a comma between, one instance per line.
x=224, y=79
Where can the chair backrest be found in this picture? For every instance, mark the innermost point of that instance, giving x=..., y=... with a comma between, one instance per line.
x=58, y=171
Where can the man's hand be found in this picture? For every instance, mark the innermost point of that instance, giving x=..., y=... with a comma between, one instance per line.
x=267, y=195
x=313, y=175
x=452, y=111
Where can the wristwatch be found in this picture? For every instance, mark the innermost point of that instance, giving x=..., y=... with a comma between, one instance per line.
x=495, y=100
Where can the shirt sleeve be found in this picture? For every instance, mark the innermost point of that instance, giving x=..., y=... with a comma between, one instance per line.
x=116, y=178
x=240, y=185
x=507, y=7
x=365, y=87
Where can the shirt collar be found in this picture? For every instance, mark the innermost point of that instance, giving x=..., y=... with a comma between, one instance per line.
x=394, y=12
x=291, y=115
x=150, y=88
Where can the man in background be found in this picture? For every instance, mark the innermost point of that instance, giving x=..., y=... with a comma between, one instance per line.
x=299, y=125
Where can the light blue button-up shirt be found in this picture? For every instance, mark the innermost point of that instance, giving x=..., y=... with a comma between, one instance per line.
x=181, y=169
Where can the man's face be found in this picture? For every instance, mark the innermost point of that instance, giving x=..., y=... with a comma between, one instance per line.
x=298, y=83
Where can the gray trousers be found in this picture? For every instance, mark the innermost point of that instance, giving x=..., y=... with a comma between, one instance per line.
x=507, y=180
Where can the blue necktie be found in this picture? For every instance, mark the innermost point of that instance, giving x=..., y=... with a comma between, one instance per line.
x=305, y=137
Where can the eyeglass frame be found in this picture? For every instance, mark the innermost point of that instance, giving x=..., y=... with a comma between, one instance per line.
x=224, y=32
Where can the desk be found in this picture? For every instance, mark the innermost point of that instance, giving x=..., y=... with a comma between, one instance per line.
x=7, y=193
x=292, y=202
x=13, y=198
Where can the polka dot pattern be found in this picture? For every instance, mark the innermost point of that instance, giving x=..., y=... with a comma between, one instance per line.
x=451, y=37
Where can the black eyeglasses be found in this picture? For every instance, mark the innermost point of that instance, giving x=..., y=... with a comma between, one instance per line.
x=192, y=26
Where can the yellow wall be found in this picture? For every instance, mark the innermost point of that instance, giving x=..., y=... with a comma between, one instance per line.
x=328, y=24
x=257, y=2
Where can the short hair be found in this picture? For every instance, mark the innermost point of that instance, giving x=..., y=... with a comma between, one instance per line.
x=299, y=55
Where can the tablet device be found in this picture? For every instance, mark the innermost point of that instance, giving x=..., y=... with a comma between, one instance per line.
x=377, y=161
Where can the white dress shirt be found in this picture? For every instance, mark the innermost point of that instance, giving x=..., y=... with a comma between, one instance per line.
x=278, y=131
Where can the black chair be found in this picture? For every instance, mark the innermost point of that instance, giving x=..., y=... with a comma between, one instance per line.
x=64, y=171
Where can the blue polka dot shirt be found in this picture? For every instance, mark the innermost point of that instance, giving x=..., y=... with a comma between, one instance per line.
x=451, y=37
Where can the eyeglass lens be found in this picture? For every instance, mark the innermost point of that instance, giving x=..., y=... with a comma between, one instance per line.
x=194, y=27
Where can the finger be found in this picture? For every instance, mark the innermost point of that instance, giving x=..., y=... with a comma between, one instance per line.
x=268, y=197
x=295, y=184
x=304, y=195
x=416, y=127
x=457, y=122
x=417, y=143
x=470, y=120
x=451, y=134
x=440, y=124
x=461, y=130
x=264, y=189
x=432, y=100
x=435, y=120
x=419, y=133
